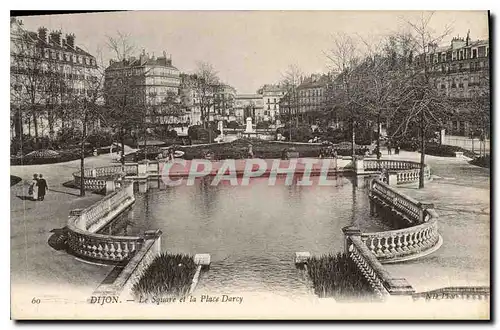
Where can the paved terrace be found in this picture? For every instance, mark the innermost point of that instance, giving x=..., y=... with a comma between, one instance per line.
x=33, y=261
x=461, y=196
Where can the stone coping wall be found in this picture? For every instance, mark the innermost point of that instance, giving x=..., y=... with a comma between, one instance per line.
x=83, y=225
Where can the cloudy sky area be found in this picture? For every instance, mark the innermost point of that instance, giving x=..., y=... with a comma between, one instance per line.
x=247, y=48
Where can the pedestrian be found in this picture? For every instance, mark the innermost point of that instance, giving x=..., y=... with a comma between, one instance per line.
x=250, y=151
x=389, y=150
x=33, y=189
x=396, y=149
x=42, y=187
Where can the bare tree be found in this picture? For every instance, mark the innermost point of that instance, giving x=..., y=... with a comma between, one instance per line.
x=344, y=58
x=87, y=106
x=28, y=79
x=123, y=98
x=428, y=108
x=291, y=78
x=385, y=83
x=206, y=84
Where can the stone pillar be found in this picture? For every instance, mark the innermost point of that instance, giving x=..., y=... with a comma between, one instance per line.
x=142, y=167
x=442, y=136
x=110, y=186
x=348, y=232
x=143, y=184
x=154, y=234
x=358, y=165
x=392, y=178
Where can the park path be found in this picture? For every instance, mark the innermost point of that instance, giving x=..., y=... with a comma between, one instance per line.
x=34, y=264
x=461, y=195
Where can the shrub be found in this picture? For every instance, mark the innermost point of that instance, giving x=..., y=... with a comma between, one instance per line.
x=263, y=125
x=299, y=134
x=338, y=276
x=167, y=275
x=172, y=134
x=435, y=149
x=100, y=139
x=233, y=125
x=197, y=132
x=483, y=161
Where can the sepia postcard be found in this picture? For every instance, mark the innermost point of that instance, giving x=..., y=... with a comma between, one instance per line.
x=253, y=165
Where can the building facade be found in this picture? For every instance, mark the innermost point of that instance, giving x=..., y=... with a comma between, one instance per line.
x=461, y=72
x=49, y=73
x=249, y=105
x=149, y=82
x=271, y=97
x=218, y=101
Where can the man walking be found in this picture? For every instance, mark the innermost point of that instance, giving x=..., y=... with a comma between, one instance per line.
x=42, y=188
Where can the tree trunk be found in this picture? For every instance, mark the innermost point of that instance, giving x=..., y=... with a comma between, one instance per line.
x=35, y=125
x=353, y=142
x=422, y=155
x=378, y=136
x=82, y=169
x=122, y=137
x=145, y=142
x=82, y=158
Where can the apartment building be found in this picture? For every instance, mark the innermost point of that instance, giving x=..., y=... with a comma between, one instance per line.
x=48, y=73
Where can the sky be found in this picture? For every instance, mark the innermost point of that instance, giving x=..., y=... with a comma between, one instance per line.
x=247, y=48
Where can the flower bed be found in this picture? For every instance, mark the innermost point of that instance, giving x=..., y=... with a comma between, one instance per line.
x=64, y=156
x=168, y=275
x=262, y=149
x=337, y=276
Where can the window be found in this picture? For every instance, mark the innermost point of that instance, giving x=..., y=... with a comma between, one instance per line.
x=443, y=86
x=268, y=107
x=474, y=53
x=481, y=51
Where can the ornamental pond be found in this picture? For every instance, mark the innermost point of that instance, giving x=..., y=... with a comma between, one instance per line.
x=251, y=232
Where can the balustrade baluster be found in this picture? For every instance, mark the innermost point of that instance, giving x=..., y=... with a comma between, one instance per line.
x=372, y=246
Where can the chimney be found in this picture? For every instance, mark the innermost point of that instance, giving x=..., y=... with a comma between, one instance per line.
x=70, y=40
x=55, y=37
x=142, y=57
x=42, y=33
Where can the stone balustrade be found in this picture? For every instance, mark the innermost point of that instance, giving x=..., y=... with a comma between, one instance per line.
x=403, y=171
x=404, y=205
x=104, y=248
x=389, y=164
x=382, y=282
x=420, y=239
x=403, y=244
x=95, y=178
x=83, y=225
x=90, y=183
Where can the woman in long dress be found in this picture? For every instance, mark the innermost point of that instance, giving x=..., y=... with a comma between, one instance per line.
x=33, y=189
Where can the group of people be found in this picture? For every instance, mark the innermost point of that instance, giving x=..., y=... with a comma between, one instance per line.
x=328, y=152
x=38, y=188
x=389, y=148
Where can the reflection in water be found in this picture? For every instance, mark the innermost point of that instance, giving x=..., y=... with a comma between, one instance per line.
x=252, y=232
